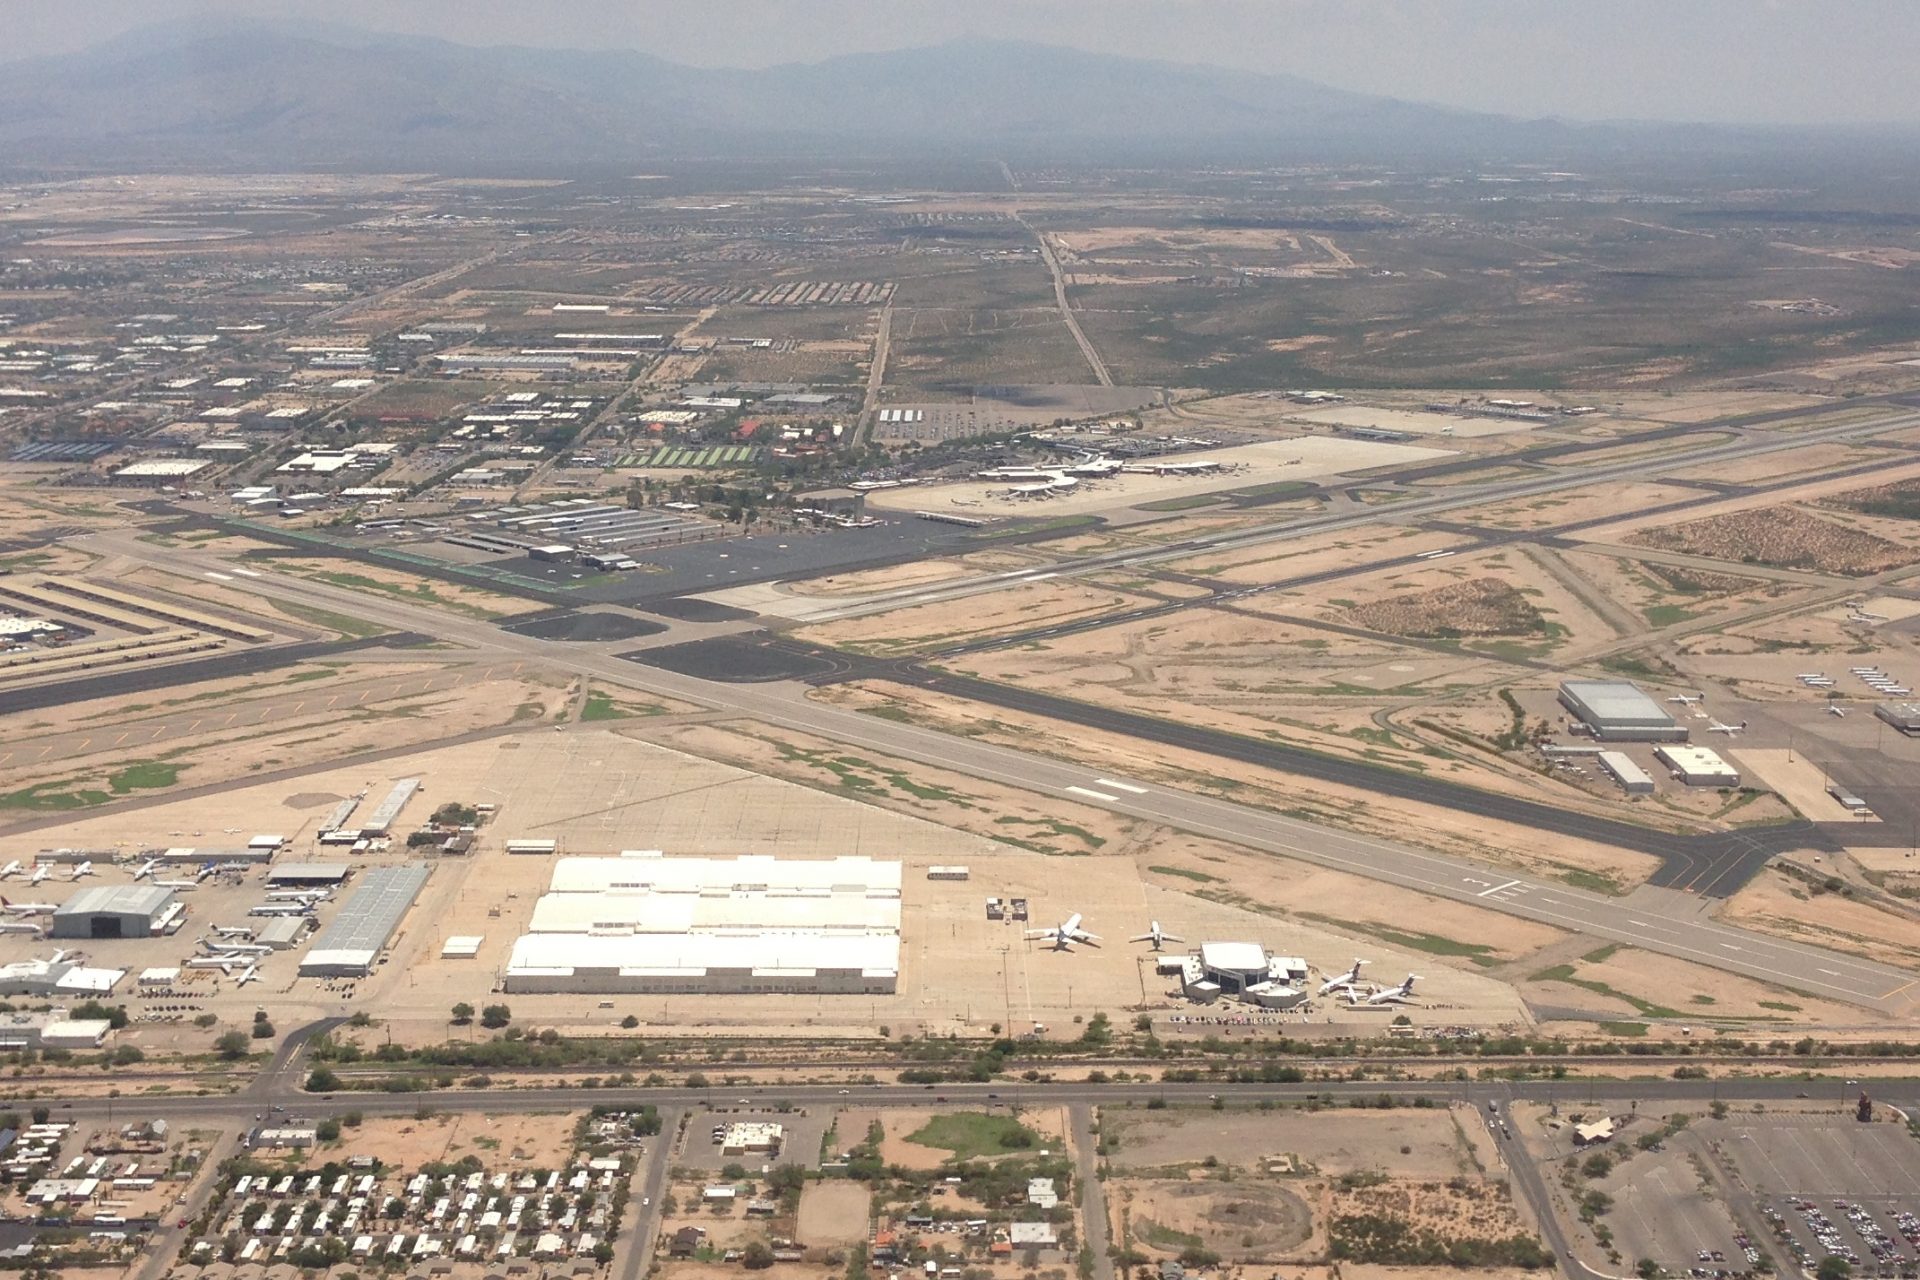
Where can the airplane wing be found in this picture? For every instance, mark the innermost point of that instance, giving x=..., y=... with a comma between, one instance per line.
x=1040, y=933
x=1147, y=937
x=1170, y=937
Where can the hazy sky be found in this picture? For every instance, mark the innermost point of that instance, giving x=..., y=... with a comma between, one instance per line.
x=1761, y=61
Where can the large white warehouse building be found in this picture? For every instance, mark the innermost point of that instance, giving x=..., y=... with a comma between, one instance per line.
x=643, y=923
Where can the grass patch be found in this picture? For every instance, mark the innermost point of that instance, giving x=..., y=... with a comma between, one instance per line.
x=1780, y=1005
x=971, y=1135
x=1591, y=881
x=1432, y=943
x=1185, y=874
x=1624, y=1028
x=1565, y=973
x=1166, y=1237
x=1187, y=503
x=143, y=775
x=356, y=628
x=601, y=706
x=42, y=797
x=1601, y=955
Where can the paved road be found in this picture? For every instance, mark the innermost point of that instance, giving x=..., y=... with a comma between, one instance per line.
x=1061, y=300
x=785, y=705
x=651, y=1178
x=1093, y=1197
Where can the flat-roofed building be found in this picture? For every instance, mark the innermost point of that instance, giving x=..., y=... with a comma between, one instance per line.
x=1619, y=711
x=1621, y=767
x=1698, y=766
x=1904, y=716
x=643, y=922
x=352, y=943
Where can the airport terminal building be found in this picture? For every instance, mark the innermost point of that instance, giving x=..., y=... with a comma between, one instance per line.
x=642, y=923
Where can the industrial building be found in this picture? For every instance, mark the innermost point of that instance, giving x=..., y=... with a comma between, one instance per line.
x=643, y=922
x=307, y=875
x=1243, y=969
x=1620, y=766
x=118, y=911
x=350, y=946
x=1904, y=716
x=1698, y=766
x=1619, y=711
x=382, y=818
x=57, y=979
x=51, y=1031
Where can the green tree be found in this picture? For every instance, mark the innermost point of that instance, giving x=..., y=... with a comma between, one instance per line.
x=231, y=1045
x=462, y=1013
x=1833, y=1267
x=322, y=1080
x=495, y=1016
x=262, y=1029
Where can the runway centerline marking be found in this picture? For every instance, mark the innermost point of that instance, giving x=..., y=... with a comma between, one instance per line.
x=1121, y=786
x=1095, y=795
x=222, y=576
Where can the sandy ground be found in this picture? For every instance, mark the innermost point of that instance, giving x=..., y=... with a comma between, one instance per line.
x=834, y=1212
x=1352, y=808
x=1571, y=505
x=1299, y=557
x=1689, y=990
x=1330, y=1143
x=1813, y=489
x=1246, y=466
x=928, y=626
x=506, y=1141
x=1778, y=904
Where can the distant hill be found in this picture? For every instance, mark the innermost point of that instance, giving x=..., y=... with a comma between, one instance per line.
x=269, y=95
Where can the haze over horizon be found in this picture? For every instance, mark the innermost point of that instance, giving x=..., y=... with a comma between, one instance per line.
x=1755, y=62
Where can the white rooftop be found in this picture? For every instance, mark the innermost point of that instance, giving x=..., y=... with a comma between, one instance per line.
x=695, y=955
x=1234, y=957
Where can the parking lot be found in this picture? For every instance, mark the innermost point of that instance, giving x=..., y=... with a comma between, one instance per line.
x=1829, y=1185
x=805, y=1127
x=1664, y=1211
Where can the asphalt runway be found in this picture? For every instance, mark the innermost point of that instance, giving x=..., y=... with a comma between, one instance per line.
x=166, y=675
x=1715, y=865
x=571, y=625
x=1682, y=934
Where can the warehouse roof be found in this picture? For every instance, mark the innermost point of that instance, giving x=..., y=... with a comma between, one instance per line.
x=332, y=872
x=1694, y=759
x=1616, y=702
x=754, y=873
x=119, y=899
x=368, y=918
x=694, y=955
x=1234, y=957
x=623, y=911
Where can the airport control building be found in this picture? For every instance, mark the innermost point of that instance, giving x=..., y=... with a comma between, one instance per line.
x=1619, y=711
x=645, y=923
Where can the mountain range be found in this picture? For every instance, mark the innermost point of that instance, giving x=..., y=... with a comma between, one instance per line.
x=265, y=95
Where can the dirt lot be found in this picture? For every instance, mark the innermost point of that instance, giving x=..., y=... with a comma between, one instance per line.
x=834, y=1212
x=1776, y=903
x=1242, y=1221
x=536, y=1141
x=1329, y=1143
x=1627, y=983
x=1571, y=505
x=1786, y=536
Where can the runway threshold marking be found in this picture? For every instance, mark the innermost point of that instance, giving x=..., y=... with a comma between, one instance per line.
x=246, y=573
x=1488, y=893
x=1095, y=795
x=222, y=576
x=1121, y=786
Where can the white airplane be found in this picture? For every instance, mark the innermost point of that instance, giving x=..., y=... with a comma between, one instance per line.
x=39, y=874
x=236, y=948
x=184, y=886
x=28, y=908
x=281, y=909
x=1728, y=729
x=240, y=931
x=1343, y=982
x=1157, y=936
x=252, y=974
x=225, y=964
x=1064, y=935
x=1402, y=994
x=1834, y=709
x=146, y=868
x=84, y=869
x=1688, y=699
x=299, y=895
x=11, y=870
x=19, y=926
